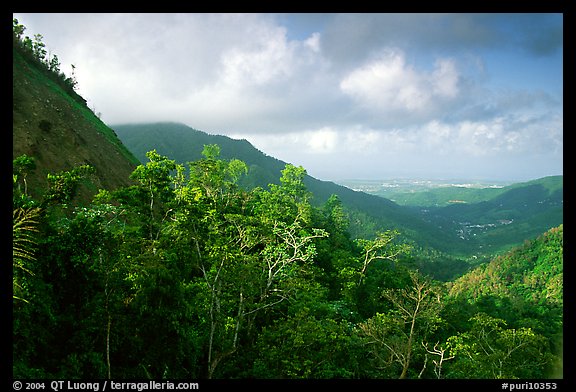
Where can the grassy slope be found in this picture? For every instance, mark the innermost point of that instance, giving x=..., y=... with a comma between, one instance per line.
x=54, y=125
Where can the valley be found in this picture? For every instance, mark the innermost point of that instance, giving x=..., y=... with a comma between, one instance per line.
x=158, y=251
x=399, y=189
x=465, y=218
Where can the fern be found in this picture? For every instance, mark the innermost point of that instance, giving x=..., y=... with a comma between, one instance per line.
x=24, y=229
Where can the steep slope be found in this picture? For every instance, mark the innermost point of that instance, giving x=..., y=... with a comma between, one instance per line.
x=370, y=213
x=53, y=125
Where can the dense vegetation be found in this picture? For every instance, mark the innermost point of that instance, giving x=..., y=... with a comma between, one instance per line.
x=185, y=274
x=490, y=222
x=179, y=271
x=368, y=213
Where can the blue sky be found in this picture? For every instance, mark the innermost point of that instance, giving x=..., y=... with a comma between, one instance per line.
x=347, y=96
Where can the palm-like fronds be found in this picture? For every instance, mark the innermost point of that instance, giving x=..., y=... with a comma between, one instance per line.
x=24, y=228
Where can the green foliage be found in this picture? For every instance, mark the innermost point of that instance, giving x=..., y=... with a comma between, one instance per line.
x=393, y=337
x=62, y=187
x=24, y=227
x=185, y=274
x=489, y=350
x=306, y=346
x=532, y=273
x=21, y=166
x=36, y=50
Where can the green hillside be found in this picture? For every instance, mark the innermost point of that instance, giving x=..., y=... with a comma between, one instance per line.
x=524, y=286
x=52, y=124
x=532, y=272
x=522, y=291
x=179, y=272
x=519, y=212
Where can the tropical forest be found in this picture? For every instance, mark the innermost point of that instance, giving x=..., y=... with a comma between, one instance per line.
x=133, y=262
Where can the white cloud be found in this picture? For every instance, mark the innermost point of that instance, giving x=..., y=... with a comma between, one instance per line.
x=313, y=42
x=323, y=141
x=383, y=91
x=269, y=59
x=445, y=78
x=362, y=141
x=389, y=84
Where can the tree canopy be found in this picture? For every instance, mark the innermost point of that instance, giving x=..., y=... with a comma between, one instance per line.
x=187, y=275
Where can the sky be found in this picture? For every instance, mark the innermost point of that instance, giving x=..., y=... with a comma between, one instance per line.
x=346, y=96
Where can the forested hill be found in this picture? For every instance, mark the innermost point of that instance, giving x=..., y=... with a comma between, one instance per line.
x=174, y=272
x=501, y=220
x=532, y=272
x=523, y=287
x=368, y=213
x=53, y=124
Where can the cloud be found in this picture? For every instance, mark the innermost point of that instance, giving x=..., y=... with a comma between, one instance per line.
x=328, y=91
x=390, y=87
x=323, y=141
x=352, y=38
x=247, y=75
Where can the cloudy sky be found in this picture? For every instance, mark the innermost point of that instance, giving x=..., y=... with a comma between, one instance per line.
x=347, y=96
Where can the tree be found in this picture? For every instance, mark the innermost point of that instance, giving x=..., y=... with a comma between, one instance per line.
x=54, y=64
x=63, y=186
x=38, y=47
x=21, y=166
x=248, y=261
x=309, y=343
x=440, y=351
x=414, y=316
x=155, y=179
x=360, y=287
x=334, y=211
x=381, y=248
x=289, y=199
x=17, y=29
x=489, y=350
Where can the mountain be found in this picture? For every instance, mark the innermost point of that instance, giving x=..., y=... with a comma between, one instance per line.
x=504, y=218
x=53, y=124
x=368, y=213
x=517, y=212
